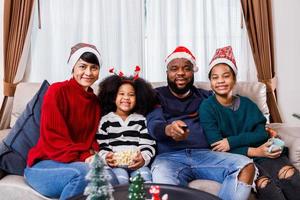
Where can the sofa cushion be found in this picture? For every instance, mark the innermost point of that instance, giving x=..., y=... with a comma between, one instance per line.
x=24, y=93
x=23, y=135
x=4, y=133
x=289, y=133
x=212, y=187
x=209, y=186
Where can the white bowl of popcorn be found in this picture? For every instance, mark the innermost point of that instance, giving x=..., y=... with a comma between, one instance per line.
x=125, y=158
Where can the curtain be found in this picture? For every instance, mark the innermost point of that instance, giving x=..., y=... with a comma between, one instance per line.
x=258, y=18
x=16, y=43
x=137, y=33
x=113, y=26
x=202, y=26
x=1, y=55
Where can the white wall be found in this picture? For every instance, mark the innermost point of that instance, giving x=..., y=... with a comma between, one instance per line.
x=286, y=17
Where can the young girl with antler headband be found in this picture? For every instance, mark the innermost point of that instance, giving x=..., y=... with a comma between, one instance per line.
x=125, y=144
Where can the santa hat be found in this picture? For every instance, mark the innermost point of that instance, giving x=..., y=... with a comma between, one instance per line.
x=79, y=49
x=182, y=52
x=224, y=55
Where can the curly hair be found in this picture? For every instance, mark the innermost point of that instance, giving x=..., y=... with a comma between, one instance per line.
x=108, y=89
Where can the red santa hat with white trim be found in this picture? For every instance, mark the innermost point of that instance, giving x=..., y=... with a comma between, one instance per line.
x=224, y=55
x=79, y=49
x=182, y=52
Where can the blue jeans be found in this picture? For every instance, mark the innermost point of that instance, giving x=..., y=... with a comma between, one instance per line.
x=181, y=167
x=122, y=174
x=60, y=180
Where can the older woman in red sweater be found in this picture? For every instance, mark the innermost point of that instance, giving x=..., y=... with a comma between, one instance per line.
x=70, y=114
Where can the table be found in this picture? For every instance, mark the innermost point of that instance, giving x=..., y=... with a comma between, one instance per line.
x=174, y=192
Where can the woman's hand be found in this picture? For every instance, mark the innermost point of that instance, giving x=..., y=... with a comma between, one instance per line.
x=262, y=151
x=138, y=162
x=110, y=160
x=221, y=145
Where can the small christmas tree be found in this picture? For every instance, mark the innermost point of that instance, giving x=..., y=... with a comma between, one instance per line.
x=136, y=188
x=99, y=187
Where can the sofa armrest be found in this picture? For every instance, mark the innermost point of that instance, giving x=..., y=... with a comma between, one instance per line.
x=290, y=134
x=4, y=133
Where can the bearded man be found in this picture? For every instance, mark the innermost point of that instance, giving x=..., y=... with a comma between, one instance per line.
x=183, y=152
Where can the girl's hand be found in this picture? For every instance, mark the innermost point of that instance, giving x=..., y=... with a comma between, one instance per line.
x=221, y=145
x=138, y=162
x=110, y=159
x=262, y=151
x=89, y=159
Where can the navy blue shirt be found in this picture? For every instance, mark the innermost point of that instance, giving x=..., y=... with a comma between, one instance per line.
x=172, y=108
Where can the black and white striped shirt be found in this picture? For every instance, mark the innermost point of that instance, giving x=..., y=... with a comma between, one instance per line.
x=115, y=134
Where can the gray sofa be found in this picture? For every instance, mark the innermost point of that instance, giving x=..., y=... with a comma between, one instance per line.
x=13, y=187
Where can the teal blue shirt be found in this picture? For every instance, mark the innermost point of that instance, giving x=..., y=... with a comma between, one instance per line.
x=244, y=127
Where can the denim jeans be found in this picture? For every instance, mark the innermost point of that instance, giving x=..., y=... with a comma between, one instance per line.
x=181, y=167
x=122, y=174
x=60, y=180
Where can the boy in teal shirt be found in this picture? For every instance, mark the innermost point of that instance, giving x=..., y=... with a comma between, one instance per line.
x=235, y=124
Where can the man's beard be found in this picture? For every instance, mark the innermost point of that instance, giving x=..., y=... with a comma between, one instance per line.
x=172, y=85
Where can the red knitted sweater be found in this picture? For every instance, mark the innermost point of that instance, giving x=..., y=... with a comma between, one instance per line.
x=69, y=122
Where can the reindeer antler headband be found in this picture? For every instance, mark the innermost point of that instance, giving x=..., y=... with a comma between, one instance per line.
x=121, y=74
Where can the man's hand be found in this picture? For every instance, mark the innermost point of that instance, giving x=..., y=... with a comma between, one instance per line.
x=110, y=159
x=177, y=130
x=221, y=145
x=138, y=162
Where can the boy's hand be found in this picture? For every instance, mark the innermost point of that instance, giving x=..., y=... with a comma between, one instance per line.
x=138, y=162
x=110, y=159
x=221, y=145
x=262, y=151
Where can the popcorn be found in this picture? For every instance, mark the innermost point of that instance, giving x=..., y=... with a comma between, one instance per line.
x=125, y=158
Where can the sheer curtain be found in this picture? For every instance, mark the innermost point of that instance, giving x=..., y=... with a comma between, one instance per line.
x=136, y=32
x=200, y=25
x=114, y=26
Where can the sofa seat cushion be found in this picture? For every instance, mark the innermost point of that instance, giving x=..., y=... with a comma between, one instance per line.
x=212, y=187
x=14, y=187
x=209, y=186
